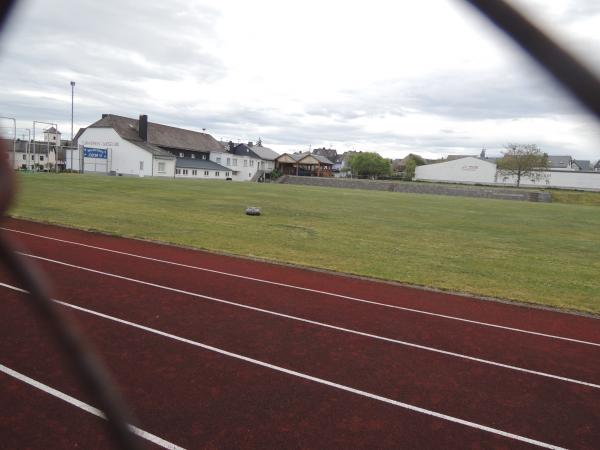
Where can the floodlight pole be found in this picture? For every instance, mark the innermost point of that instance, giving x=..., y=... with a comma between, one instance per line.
x=14, y=137
x=72, y=104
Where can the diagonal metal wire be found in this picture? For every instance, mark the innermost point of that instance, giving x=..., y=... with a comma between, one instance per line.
x=580, y=81
x=565, y=68
x=91, y=372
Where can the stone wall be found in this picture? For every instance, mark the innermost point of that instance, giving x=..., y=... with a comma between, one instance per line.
x=422, y=188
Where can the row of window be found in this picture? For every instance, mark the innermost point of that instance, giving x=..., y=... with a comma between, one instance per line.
x=192, y=155
x=235, y=162
x=195, y=172
x=41, y=157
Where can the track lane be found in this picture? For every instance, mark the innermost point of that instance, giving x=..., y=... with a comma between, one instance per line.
x=448, y=386
x=197, y=398
x=531, y=352
x=502, y=314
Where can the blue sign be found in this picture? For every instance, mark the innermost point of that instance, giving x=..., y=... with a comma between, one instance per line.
x=98, y=153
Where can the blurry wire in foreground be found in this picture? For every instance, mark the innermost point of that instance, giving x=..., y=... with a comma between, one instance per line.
x=93, y=376
x=572, y=74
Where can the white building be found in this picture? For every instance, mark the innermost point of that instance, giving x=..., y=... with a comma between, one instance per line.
x=465, y=170
x=472, y=170
x=32, y=155
x=125, y=146
x=242, y=167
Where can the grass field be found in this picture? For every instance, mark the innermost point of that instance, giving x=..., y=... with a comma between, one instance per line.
x=532, y=252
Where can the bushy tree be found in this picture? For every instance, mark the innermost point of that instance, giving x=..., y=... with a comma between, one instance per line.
x=523, y=160
x=371, y=165
x=411, y=165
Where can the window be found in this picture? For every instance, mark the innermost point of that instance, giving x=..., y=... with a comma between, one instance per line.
x=245, y=163
x=228, y=161
x=141, y=166
x=41, y=157
x=206, y=173
x=218, y=159
x=24, y=156
x=177, y=171
x=193, y=156
x=203, y=156
x=181, y=155
x=161, y=167
x=235, y=161
x=216, y=174
x=185, y=171
x=194, y=172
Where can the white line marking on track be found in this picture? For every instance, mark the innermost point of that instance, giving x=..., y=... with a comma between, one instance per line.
x=308, y=377
x=316, y=291
x=322, y=324
x=79, y=404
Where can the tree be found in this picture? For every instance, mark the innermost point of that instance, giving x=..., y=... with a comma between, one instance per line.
x=523, y=160
x=370, y=165
x=412, y=161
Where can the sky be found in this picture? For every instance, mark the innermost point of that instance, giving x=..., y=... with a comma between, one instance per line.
x=430, y=77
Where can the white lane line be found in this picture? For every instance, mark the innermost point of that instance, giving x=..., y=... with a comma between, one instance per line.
x=316, y=291
x=79, y=404
x=324, y=325
x=311, y=378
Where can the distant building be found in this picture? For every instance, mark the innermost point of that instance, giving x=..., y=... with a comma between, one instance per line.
x=304, y=164
x=472, y=170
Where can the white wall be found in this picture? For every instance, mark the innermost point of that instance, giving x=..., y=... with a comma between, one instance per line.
x=464, y=170
x=166, y=170
x=472, y=170
x=242, y=168
x=559, y=179
x=30, y=159
x=206, y=174
x=124, y=157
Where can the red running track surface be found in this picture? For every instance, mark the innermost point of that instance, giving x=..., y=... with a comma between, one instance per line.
x=536, y=376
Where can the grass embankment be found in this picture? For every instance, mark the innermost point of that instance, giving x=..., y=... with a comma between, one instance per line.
x=540, y=253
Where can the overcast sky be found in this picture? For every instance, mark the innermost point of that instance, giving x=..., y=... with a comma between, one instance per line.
x=429, y=77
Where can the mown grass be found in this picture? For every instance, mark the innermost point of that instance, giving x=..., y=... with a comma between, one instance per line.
x=539, y=253
x=576, y=197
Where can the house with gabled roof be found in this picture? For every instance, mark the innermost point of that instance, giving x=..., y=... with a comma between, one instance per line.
x=126, y=146
x=583, y=165
x=304, y=164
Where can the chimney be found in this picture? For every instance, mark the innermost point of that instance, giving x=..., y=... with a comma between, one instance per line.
x=250, y=144
x=143, y=127
x=104, y=115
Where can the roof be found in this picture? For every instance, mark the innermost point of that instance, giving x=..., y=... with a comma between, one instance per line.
x=301, y=156
x=453, y=157
x=244, y=150
x=583, y=164
x=264, y=152
x=52, y=130
x=41, y=147
x=159, y=135
x=559, y=161
x=193, y=163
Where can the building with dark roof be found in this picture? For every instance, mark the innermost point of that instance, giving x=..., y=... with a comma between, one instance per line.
x=126, y=146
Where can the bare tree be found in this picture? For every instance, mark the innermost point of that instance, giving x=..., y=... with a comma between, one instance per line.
x=523, y=160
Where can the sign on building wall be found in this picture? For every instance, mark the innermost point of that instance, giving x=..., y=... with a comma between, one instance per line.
x=97, y=153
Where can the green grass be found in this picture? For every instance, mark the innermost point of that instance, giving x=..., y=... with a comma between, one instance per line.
x=576, y=197
x=533, y=252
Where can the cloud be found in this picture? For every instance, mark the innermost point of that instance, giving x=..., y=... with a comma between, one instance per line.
x=384, y=76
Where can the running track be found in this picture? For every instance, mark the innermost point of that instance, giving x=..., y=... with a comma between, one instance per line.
x=212, y=351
